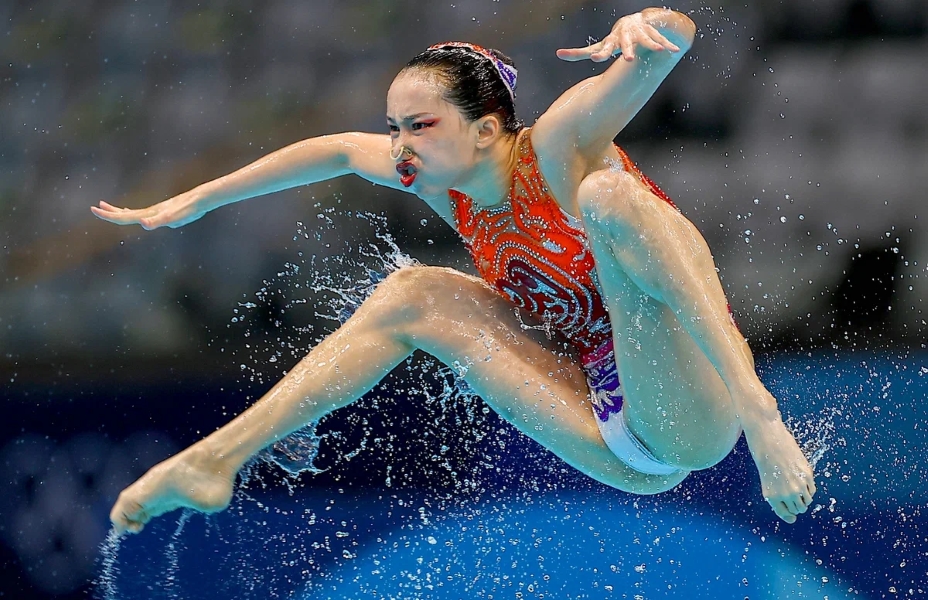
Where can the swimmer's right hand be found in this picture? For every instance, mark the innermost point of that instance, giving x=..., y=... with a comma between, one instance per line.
x=174, y=212
x=190, y=479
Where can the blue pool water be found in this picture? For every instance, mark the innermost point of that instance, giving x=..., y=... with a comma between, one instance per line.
x=532, y=529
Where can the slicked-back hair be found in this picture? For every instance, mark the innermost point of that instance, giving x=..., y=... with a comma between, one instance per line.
x=471, y=83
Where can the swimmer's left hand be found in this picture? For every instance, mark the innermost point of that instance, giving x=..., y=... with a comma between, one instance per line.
x=175, y=212
x=628, y=33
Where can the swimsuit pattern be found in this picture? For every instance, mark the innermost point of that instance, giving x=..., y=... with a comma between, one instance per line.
x=538, y=257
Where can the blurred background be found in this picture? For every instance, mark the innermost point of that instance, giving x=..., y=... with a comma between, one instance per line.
x=793, y=134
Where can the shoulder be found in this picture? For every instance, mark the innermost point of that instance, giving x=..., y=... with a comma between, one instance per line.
x=562, y=165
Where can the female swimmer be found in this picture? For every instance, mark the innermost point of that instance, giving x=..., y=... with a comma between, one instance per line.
x=637, y=375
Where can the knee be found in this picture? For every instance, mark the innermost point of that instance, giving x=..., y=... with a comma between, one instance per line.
x=412, y=293
x=609, y=197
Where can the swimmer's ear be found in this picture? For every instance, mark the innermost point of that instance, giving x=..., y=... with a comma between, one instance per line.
x=487, y=129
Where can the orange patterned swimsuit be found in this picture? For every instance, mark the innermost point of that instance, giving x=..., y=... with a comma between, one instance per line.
x=538, y=256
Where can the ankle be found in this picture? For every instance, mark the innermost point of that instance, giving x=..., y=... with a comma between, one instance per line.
x=207, y=456
x=755, y=406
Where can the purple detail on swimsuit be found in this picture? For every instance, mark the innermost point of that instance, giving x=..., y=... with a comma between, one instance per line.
x=532, y=289
x=602, y=375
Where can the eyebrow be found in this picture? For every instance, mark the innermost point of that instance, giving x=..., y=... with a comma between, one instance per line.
x=411, y=117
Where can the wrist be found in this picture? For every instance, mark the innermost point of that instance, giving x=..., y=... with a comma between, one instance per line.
x=204, y=197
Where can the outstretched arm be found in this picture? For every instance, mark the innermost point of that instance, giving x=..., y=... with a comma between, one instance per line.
x=583, y=121
x=302, y=163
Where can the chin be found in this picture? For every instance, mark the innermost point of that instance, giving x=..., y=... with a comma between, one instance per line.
x=429, y=192
x=429, y=195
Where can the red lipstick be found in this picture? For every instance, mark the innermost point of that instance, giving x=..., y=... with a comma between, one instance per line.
x=407, y=173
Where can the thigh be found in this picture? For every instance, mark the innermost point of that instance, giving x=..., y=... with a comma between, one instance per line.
x=675, y=399
x=533, y=382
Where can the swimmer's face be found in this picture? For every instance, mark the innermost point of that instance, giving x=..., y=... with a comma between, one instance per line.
x=439, y=136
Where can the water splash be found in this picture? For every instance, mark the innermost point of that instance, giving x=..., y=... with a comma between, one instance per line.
x=816, y=436
x=296, y=453
x=105, y=583
x=335, y=286
x=170, y=578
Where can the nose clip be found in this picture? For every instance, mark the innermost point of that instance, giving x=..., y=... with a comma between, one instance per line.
x=404, y=153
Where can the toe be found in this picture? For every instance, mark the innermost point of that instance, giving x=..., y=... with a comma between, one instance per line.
x=783, y=511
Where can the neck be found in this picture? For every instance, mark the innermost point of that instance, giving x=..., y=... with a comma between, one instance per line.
x=489, y=181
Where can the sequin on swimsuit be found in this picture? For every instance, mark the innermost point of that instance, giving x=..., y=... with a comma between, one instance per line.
x=538, y=257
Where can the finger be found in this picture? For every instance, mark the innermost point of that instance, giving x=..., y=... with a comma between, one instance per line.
x=119, y=218
x=108, y=206
x=137, y=213
x=575, y=54
x=155, y=222
x=659, y=38
x=572, y=54
x=107, y=215
x=651, y=44
x=627, y=45
x=605, y=52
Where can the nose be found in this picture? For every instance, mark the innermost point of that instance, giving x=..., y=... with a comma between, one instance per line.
x=400, y=137
x=399, y=150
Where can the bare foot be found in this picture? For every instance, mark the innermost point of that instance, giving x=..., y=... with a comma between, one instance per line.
x=785, y=474
x=191, y=479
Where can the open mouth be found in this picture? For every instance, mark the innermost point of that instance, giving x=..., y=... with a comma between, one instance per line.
x=407, y=173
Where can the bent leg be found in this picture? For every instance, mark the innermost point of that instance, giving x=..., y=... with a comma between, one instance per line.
x=455, y=317
x=689, y=373
x=529, y=380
